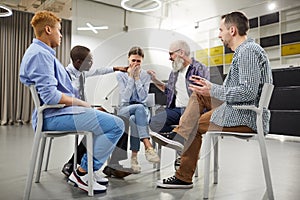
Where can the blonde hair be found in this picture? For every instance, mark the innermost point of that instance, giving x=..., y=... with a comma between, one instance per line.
x=42, y=19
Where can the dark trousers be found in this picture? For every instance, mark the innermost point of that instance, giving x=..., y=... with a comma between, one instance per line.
x=162, y=122
x=119, y=153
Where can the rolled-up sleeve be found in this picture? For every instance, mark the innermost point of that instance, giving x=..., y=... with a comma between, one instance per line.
x=43, y=76
x=244, y=69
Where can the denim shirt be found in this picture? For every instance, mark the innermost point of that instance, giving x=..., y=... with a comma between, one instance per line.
x=41, y=68
x=195, y=68
x=132, y=91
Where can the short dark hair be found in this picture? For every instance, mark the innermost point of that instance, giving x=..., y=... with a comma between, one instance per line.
x=136, y=51
x=239, y=20
x=79, y=52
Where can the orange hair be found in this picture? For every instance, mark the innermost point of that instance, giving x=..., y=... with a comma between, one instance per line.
x=42, y=19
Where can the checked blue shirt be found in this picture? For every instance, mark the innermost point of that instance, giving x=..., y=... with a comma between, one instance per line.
x=249, y=70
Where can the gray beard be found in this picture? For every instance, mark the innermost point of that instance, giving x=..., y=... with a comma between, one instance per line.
x=177, y=64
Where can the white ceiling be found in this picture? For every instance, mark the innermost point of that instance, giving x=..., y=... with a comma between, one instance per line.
x=191, y=9
x=62, y=7
x=178, y=15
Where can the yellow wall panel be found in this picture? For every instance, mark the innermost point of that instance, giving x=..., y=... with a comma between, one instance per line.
x=216, y=60
x=201, y=53
x=203, y=60
x=216, y=50
x=228, y=58
x=290, y=49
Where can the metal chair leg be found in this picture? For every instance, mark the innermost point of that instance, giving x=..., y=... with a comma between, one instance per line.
x=266, y=167
x=215, y=140
x=206, y=165
x=158, y=165
x=48, y=154
x=154, y=147
x=196, y=171
x=34, y=154
x=75, y=153
x=40, y=161
x=89, y=141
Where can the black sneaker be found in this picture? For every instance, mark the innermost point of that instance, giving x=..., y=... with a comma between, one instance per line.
x=67, y=169
x=174, y=183
x=171, y=140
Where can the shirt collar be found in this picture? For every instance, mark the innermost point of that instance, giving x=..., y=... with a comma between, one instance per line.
x=44, y=45
x=74, y=70
x=243, y=44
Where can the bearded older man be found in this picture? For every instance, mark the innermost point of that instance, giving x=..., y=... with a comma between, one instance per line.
x=177, y=92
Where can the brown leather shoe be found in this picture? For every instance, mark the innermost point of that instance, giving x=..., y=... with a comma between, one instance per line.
x=118, y=173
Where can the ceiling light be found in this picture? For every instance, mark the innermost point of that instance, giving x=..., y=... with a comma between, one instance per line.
x=271, y=6
x=7, y=11
x=90, y=27
x=141, y=5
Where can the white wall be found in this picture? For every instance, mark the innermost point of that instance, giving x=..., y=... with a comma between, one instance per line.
x=113, y=52
x=153, y=32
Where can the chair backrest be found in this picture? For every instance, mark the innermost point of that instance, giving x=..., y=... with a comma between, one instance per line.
x=35, y=96
x=150, y=101
x=266, y=94
x=115, y=99
x=38, y=106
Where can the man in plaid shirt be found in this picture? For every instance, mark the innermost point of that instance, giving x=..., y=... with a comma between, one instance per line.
x=249, y=71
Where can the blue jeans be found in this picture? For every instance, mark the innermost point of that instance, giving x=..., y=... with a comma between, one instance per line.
x=163, y=121
x=138, y=120
x=107, y=130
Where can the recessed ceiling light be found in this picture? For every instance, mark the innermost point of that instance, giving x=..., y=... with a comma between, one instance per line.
x=7, y=12
x=271, y=6
x=141, y=5
x=90, y=27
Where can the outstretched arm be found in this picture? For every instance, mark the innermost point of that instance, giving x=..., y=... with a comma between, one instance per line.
x=159, y=84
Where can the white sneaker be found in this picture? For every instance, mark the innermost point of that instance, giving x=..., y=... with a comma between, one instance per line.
x=136, y=168
x=151, y=155
x=99, y=179
x=82, y=183
x=164, y=140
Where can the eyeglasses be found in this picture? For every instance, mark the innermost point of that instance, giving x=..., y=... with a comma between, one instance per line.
x=134, y=60
x=172, y=52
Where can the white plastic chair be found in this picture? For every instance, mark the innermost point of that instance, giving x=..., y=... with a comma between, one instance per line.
x=40, y=138
x=115, y=101
x=212, y=136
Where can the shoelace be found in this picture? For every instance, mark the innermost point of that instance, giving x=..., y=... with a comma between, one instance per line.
x=170, y=179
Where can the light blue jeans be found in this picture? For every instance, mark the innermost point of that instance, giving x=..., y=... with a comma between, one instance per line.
x=107, y=130
x=138, y=120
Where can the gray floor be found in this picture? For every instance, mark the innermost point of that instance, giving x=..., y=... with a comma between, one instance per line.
x=240, y=174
